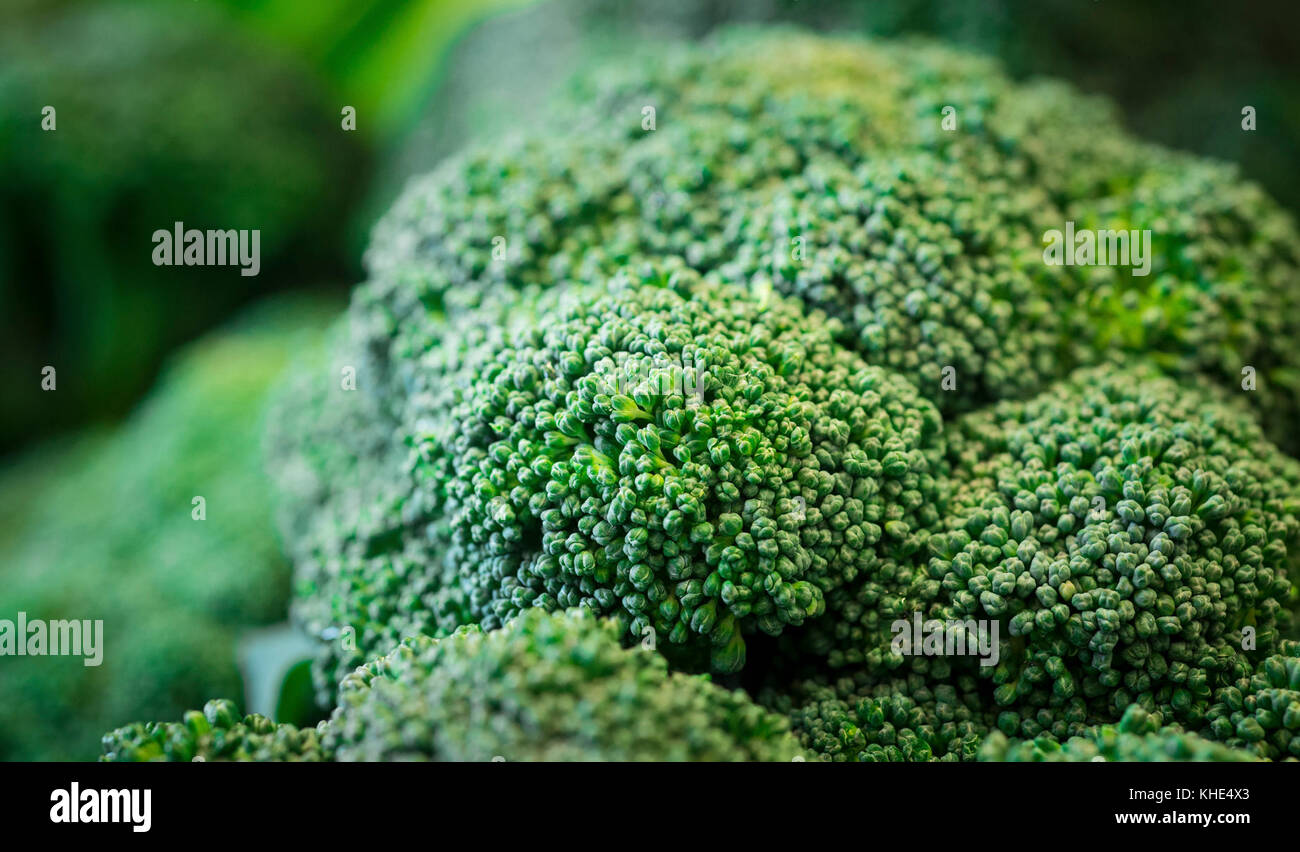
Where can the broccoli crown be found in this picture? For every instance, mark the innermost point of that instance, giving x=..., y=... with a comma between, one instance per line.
x=545, y=686
x=217, y=733
x=1261, y=713
x=701, y=460
x=861, y=720
x=1138, y=737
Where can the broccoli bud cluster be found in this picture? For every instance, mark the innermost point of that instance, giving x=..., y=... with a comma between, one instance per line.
x=1133, y=535
x=860, y=720
x=219, y=732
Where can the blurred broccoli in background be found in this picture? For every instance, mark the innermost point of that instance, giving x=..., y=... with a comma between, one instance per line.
x=102, y=527
x=158, y=118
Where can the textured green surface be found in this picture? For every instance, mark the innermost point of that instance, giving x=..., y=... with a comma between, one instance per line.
x=887, y=720
x=919, y=245
x=1123, y=528
x=820, y=166
x=1261, y=713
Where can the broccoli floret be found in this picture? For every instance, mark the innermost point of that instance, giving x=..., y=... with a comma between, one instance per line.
x=704, y=460
x=217, y=733
x=545, y=686
x=1137, y=738
x=1133, y=536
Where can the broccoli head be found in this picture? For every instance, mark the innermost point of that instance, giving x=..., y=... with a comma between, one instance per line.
x=682, y=364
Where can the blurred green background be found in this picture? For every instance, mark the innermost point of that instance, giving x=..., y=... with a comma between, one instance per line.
x=228, y=114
